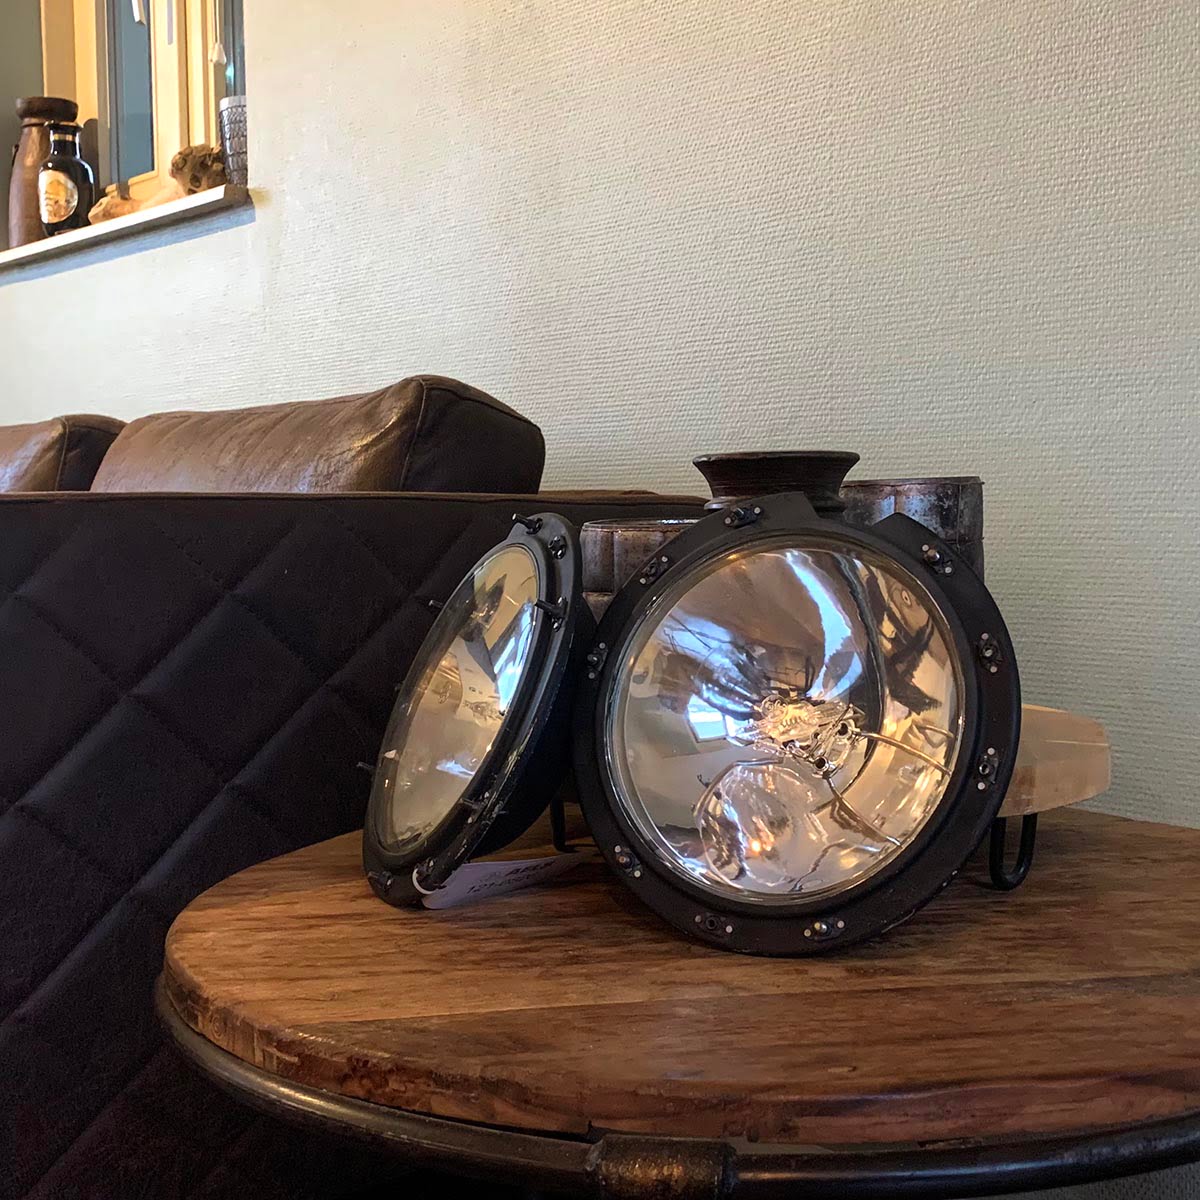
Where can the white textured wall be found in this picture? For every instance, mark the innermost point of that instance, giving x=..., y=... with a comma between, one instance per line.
x=958, y=237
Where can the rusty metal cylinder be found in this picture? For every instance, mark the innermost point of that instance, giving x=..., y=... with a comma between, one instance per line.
x=613, y=550
x=951, y=507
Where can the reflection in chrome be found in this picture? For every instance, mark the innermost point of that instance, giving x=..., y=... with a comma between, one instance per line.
x=785, y=719
x=453, y=704
x=817, y=732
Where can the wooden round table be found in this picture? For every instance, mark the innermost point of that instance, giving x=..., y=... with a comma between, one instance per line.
x=563, y=1038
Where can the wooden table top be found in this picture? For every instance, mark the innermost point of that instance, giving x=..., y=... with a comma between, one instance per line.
x=1070, y=1005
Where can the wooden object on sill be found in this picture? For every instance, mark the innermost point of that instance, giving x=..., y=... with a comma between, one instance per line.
x=193, y=169
x=115, y=205
x=1065, y=1007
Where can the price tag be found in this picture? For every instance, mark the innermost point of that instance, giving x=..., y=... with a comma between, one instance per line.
x=479, y=880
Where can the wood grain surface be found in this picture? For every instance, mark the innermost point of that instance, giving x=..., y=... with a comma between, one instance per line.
x=1070, y=1005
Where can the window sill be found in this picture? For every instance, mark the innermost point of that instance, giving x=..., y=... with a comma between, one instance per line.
x=190, y=207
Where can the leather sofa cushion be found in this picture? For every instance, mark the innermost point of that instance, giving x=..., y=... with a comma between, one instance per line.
x=59, y=455
x=424, y=434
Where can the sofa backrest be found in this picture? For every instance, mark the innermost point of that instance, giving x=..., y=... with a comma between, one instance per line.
x=424, y=434
x=59, y=455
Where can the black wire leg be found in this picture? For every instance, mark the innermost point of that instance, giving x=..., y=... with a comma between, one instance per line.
x=1006, y=878
x=558, y=823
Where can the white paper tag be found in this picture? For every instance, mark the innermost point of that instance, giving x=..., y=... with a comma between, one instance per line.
x=478, y=880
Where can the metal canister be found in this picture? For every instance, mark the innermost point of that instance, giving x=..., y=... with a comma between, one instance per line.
x=950, y=506
x=613, y=550
x=232, y=117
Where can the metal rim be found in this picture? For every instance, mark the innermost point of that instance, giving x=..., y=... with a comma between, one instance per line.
x=911, y=481
x=494, y=809
x=991, y=723
x=602, y=1166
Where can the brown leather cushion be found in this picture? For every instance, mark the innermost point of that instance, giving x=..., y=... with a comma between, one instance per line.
x=59, y=455
x=424, y=434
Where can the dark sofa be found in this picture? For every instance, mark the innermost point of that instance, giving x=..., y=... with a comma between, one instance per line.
x=187, y=683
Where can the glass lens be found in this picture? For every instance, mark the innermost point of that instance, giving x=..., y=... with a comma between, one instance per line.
x=456, y=697
x=785, y=719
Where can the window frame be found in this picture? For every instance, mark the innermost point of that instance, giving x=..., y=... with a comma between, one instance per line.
x=187, y=71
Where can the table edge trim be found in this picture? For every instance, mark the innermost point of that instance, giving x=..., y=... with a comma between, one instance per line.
x=742, y=1170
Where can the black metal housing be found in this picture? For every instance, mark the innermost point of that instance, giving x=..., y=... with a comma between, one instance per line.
x=531, y=752
x=974, y=793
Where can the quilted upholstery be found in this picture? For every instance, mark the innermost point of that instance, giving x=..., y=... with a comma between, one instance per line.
x=186, y=685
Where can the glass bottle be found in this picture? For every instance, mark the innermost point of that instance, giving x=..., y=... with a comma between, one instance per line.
x=66, y=186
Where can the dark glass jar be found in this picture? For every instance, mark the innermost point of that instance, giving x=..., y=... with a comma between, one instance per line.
x=66, y=186
x=37, y=114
